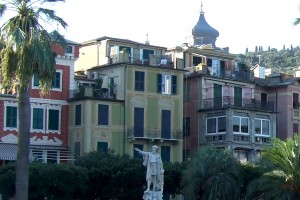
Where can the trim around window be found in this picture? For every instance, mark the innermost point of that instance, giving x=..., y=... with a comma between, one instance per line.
x=35, y=85
x=45, y=119
x=11, y=104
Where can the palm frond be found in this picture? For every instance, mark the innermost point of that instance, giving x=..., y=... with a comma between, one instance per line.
x=2, y=9
x=297, y=21
x=51, y=17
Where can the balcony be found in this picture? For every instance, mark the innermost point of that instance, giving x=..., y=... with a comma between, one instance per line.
x=152, y=60
x=215, y=138
x=244, y=103
x=85, y=92
x=241, y=139
x=154, y=134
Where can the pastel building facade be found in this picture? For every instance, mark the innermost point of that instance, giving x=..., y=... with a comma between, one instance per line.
x=139, y=97
x=49, y=116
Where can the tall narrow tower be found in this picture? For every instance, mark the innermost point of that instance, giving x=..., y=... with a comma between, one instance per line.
x=203, y=33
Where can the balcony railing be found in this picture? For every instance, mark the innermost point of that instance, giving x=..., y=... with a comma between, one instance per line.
x=153, y=134
x=103, y=93
x=152, y=60
x=238, y=138
x=230, y=101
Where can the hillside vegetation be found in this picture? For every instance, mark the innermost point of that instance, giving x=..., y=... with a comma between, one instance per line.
x=283, y=61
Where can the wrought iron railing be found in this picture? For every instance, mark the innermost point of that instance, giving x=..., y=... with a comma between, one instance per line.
x=230, y=101
x=152, y=60
x=154, y=133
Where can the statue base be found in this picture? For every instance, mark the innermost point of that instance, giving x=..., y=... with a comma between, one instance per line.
x=152, y=195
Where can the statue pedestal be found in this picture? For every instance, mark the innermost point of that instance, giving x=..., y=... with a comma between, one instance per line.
x=153, y=195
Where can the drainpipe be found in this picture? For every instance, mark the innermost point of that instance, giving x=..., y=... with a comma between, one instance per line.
x=124, y=107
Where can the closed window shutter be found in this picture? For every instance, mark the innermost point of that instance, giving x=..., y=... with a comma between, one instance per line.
x=174, y=84
x=159, y=83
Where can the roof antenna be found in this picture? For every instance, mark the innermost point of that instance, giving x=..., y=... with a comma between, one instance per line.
x=147, y=41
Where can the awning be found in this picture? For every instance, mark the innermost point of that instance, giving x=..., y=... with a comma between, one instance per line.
x=8, y=151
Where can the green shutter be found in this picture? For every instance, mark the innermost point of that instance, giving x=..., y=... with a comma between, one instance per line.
x=53, y=121
x=38, y=118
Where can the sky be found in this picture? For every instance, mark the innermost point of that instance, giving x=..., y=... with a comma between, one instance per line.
x=241, y=23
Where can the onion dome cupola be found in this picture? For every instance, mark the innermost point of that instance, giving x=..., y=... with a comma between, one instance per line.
x=203, y=33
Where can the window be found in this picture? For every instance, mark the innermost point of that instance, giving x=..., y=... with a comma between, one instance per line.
x=138, y=122
x=295, y=100
x=135, y=153
x=296, y=128
x=11, y=117
x=56, y=83
x=186, y=125
x=102, y=147
x=53, y=119
x=166, y=124
x=146, y=53
x=70, y=49
x=166, y=84
x=197, y=60
x=165, y=153
x=139, y=83
x=262, y=127
x=46, y=118
x=38, y=118
x=35, y=81
x=125, y=49
x=78, y=115
x=216, y=125
x=187, y=91
x=103, y=114
x=77, y=149
x=240, y=125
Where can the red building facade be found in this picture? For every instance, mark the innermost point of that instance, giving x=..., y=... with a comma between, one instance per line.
x=49, y=115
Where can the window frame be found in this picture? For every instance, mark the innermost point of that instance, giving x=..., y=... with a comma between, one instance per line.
x=76, y=117
x=166, y=84
x=46, y=108
x=35, y=79
x=10, y=104
x=99, y=116
x=216, y=125
x=48, y=119
x=240, y=125
x=139, y=85
x=261, y=127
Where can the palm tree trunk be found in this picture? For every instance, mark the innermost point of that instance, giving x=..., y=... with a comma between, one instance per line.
x=22, y=164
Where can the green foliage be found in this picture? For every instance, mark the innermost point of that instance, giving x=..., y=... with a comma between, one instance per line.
x=57, y=181
x=121, y=177
x=283, y=61
x=47, y=181
x=281, y=172
x=7, y=180
x=173, y=178
x=212, y=174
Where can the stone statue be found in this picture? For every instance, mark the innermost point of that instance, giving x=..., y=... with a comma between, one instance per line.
x=154, y=174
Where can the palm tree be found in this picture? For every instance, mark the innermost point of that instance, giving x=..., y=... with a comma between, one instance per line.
x=27, y=52
x=212, y=174
x=281, y=172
